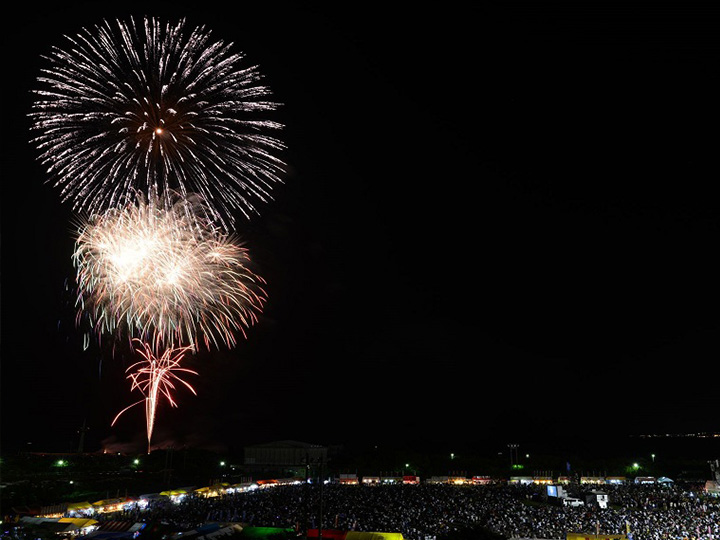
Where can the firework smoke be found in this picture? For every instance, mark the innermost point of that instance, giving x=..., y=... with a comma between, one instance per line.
x=151, y=107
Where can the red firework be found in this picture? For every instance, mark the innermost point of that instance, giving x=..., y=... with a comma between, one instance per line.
x=156, y=377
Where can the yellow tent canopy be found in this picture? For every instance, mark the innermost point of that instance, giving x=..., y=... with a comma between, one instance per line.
x=214, y=487
x=360, y=535
x=85, y=505
x=173, y=492
x=105, y=502
x=78, y=523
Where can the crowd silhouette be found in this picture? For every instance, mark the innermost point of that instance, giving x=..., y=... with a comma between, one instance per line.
x=419, y=512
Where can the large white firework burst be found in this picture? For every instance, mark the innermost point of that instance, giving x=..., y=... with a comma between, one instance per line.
x=150, y=107
x=157, y=273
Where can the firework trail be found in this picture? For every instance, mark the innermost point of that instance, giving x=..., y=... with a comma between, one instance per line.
x=156, y=377
x=154, y=272
x=151, y=107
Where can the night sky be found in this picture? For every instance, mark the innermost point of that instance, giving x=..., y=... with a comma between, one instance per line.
x=498, y=223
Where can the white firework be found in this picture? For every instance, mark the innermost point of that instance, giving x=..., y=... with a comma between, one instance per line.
x=150, y=107
x=156, y=274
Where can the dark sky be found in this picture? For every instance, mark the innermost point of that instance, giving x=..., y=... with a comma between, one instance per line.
x=499, y=223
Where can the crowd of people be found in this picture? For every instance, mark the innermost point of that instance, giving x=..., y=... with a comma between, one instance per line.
x=419, y=512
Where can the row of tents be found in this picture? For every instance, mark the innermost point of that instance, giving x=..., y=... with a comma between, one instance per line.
x=85, y=509
x=91, y=529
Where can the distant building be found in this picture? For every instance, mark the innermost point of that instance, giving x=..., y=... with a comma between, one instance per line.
x=284, y=458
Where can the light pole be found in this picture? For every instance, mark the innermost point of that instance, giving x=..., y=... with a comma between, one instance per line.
x=307, y=490
x=320, y=516
x=513, y=448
